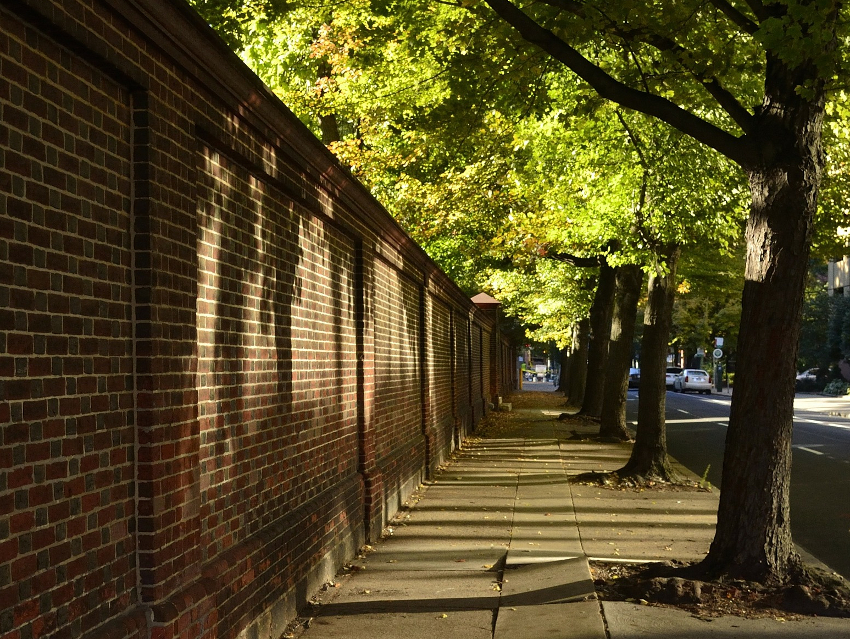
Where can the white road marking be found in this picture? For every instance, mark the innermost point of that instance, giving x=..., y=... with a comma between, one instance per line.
x=683, y=411
x=823, y=423
x=809, y=450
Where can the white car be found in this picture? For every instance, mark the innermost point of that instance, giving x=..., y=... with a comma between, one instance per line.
x=810, y=374
x=693, y=379
x=670, y=376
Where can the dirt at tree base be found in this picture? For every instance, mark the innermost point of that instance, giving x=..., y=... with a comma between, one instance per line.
x=537, y=399
x=816, y=592
x=634, y=481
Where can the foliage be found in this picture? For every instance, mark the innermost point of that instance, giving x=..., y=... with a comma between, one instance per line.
x=837, y=387
x=548, y=297
x=838, y=332
x=814, y=349
x=708, y=304
x=486, y=166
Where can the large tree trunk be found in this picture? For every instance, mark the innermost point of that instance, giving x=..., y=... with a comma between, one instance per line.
x=578, y=364
x=597, y=351
x=753, y=538
x=649, y=454
x=629, y=281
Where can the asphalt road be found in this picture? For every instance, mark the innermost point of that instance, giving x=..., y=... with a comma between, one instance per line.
x=820, y=472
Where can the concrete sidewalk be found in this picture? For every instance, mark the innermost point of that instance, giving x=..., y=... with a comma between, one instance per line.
x=498, y=546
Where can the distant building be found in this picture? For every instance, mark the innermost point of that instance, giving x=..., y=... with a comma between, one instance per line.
x=838, y=276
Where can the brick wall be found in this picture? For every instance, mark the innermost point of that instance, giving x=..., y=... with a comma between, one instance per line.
x=222, y=365
x=463, y=385
x=440, y=371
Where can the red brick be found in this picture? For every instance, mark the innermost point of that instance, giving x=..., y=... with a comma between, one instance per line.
x=26, y=611
x=23, y=567
x=18, y=477
x=8, y=550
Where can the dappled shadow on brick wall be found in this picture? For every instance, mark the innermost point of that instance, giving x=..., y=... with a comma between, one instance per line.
x=277, y=387
x=399, y=442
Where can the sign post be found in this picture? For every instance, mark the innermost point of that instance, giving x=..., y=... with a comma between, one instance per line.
x=718, y=367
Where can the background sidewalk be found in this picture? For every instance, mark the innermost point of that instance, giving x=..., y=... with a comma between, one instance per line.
x=498, y=546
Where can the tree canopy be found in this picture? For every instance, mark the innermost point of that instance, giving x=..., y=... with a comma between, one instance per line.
x=503, y=136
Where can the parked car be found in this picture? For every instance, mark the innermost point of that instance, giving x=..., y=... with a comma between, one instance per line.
x=670, y=375
x=634, y=377
x=693, y=379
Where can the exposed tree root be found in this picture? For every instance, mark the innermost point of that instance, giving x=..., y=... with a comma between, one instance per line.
x=812, y=591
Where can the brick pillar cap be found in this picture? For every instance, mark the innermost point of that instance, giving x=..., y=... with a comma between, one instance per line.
x=486, y=302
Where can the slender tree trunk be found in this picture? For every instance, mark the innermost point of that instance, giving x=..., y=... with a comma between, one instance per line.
x=578, y=364
x=330, y=128
x=564, y=373
x=649, y=454
x=753, y=538
x=597, y=351
x=629, y=281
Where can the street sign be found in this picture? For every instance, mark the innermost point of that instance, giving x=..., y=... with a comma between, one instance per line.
x=718, y=342
x=717, y=353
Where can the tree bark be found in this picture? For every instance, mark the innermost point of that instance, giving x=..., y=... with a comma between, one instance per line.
x=649, y=454
x=327, y=121
x=578, y=364
x=753, y=537
x=629, y=280
x=564, y=373
x=330, y=128
x=597, y=350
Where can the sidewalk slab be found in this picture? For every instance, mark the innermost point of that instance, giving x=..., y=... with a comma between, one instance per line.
x=580, y=620
x=547, y=583
x=438, y=558
x=632, y=621
x=382, y=591
x=475, y=624
x=649, y=525
x=539, y=556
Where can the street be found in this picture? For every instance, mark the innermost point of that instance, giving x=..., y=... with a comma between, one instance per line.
x=820, y=474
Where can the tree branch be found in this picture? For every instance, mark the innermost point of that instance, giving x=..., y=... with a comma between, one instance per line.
x=736, y=149
x=635, y=140
x=574, y=260
x=741, y=116
x=743, y=22
x=758, y=9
